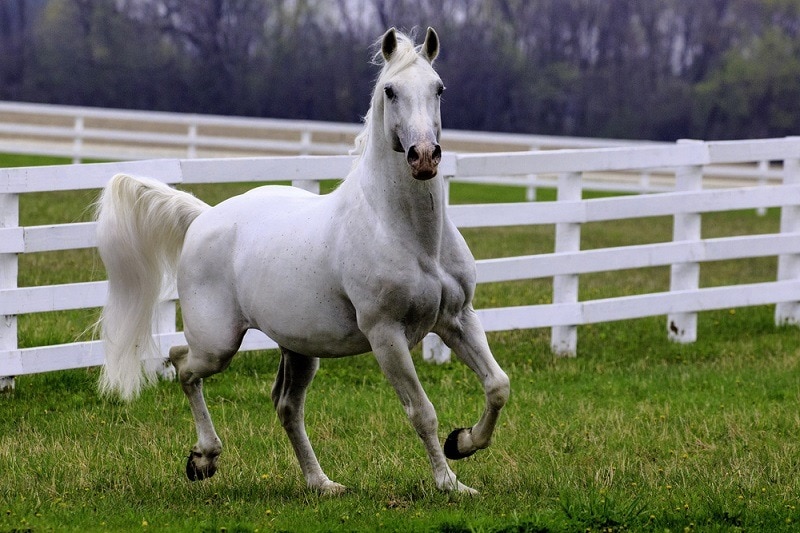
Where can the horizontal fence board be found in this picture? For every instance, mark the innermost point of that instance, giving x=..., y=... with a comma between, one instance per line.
x=529, y=316
x=515, y=214
x=630, y=257
x=46, y=298
x=227, y=170
x=669, y=204
x=182, y=119
x=50, y=358
x=90, y=353
x=595, y=160
x=623, y=207
x=705, y=299
x=77, y=177
x=59, y=237
x=753, y=150
x=639, y=306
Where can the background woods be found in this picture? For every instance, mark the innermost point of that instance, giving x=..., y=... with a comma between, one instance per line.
x=662, y=69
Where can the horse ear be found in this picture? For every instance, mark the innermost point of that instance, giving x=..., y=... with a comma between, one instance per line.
x=431, y=45
x=389, y=44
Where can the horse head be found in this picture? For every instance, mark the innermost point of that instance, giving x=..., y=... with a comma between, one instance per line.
x=411, y=97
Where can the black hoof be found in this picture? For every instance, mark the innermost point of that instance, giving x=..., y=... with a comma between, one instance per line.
x=451, y=445
x=197, y=474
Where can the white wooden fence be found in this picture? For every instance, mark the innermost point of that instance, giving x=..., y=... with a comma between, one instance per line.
x=687, y=160
x=83, y=133
x=114, y=134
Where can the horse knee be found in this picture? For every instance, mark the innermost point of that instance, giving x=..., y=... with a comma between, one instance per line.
x=423, y=417
x=498, y=390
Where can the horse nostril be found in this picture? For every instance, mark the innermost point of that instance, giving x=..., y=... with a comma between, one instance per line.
x=412, y=156
x=437, y=154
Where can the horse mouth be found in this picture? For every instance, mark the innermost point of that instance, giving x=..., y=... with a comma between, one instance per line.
x=424, y=175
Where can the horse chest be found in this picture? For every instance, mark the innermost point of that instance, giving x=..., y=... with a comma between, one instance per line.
x=418, y=297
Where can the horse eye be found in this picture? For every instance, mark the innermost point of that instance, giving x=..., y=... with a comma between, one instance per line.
x=389, y=92
x=439, y=90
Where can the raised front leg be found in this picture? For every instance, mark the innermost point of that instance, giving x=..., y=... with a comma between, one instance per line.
x=289, y=395
x=395, y=361
x=465, y=336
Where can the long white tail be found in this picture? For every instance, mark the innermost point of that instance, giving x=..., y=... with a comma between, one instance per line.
x=141, y=225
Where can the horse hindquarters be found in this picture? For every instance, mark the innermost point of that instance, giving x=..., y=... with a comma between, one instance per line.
x=141, y=225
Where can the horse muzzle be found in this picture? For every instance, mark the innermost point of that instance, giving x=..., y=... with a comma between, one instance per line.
x=424, y=159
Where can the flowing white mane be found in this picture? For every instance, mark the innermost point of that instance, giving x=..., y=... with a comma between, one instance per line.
x=403, y=57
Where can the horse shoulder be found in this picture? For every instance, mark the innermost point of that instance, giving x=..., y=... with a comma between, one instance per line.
x=458, y=274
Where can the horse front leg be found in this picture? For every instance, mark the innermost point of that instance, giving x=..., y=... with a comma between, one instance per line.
x=465, y=336
x=395, y=361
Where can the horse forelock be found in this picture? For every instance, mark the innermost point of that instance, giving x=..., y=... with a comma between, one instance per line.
x=405, y=55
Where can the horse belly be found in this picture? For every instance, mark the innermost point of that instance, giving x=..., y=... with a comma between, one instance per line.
x=288, y=290
x=311, y=322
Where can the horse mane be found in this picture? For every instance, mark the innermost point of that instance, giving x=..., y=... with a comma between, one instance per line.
x=403, y=57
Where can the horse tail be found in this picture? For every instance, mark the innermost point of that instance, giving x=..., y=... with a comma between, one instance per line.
x=141, y=225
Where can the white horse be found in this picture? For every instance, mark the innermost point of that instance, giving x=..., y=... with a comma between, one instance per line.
x=374, y=265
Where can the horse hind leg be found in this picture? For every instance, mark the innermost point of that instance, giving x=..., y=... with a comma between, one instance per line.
x=191, y=369
x=295, y=374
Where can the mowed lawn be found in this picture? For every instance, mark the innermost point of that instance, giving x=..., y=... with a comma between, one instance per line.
x=636, y=433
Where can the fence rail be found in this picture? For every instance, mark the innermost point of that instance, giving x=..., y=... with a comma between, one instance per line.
x=686, y=204
x=98, y=133
x=83, y=133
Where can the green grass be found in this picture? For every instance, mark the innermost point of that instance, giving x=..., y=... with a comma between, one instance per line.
x=636, y=433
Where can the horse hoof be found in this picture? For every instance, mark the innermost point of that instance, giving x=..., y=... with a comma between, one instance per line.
x=332, y=489
x=451, y=450
x=198, y=473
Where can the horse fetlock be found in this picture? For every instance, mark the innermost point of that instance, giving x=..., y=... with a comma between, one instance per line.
x=449, y=483
x=328, y=488
x=460, y=444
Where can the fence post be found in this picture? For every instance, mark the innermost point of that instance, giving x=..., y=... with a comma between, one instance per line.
x=789, y=265
x=763, y=168
x=530, y=190
x=305, y=142
x=164, y=322
x=564, y=339
x=644, y=182
x=307, y=185
x=191, y=134
x=682, y=327
x=77, y=141
x=9, y=218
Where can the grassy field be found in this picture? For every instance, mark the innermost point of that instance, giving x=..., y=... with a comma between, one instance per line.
x=636, y=433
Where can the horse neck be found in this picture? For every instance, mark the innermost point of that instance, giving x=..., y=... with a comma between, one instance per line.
x=414, y=209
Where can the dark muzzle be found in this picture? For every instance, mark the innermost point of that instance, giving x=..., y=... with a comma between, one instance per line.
x=424, y=158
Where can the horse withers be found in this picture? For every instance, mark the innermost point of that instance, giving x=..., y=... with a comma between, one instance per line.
x=373, y=266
